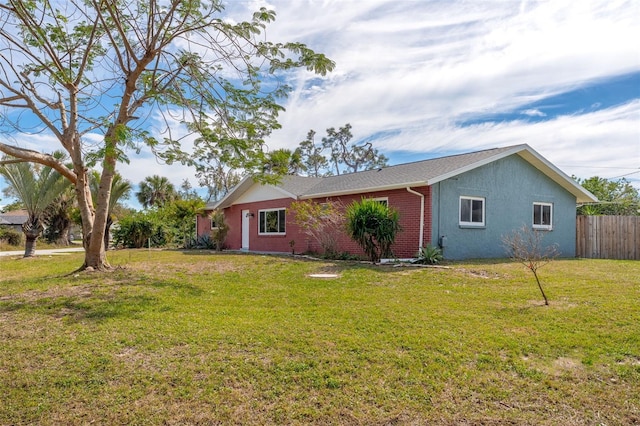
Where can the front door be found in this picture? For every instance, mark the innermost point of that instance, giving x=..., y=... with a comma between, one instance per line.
x=245, y=230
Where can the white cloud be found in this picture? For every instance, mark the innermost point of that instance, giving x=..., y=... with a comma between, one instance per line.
x=533, y=112
x=413, y=69
x=419, y=67
x=605, y=143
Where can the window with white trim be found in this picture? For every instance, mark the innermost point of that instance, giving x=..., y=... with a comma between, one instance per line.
x=272, y=222
x=382, y=200
x=471, y=211
x=542, y=215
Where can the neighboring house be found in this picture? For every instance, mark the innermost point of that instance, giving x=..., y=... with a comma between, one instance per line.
x=14, y=219
x=463, y=203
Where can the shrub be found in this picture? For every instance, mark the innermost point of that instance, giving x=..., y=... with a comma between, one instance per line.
x=374, y=226
x=202, y=242
x=429, y=255
x=323, y=222
x=12, y=237
x=139, y=230
x=219, y=232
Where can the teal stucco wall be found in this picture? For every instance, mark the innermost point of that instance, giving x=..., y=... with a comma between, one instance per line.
x=509, y=186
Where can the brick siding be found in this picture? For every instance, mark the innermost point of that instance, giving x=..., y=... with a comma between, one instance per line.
x=406, y=245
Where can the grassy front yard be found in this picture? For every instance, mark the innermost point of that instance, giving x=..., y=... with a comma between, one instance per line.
x=200, y=338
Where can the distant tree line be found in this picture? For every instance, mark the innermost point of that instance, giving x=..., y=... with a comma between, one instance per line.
x=615, y=197
x=334, y=154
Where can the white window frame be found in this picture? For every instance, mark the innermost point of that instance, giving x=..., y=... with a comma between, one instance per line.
x=265, y=211
x=533, y=218
x=470, y=223
x=382, y=200
x=211, y=224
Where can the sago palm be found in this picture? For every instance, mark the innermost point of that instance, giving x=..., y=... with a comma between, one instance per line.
x=37, y=187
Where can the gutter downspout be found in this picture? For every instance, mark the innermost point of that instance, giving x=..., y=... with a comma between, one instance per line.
x=420, y=244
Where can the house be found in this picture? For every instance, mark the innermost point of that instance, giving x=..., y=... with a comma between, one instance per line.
x=14, y=219
x=463, y=203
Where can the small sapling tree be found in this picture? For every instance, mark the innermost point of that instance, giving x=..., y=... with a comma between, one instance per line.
x=526, y=246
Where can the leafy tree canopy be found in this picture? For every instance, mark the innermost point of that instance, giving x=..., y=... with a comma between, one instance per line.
x=616, y=197
x=342, y=156
x=102, y=79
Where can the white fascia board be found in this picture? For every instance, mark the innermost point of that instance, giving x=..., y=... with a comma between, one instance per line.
x=363, y=190
x=558, y=176
x=233, y=194
x=242, y=187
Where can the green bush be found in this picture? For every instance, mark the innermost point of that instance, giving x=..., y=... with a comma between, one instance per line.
x=139, y=230
x=220, y=231
x=374, y=226
x=12, y=237
x=429, y=255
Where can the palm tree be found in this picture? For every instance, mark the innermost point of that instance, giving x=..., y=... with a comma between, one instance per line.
x=155, y=191
x=284, y=162
x=120, y=189
x=37, y=187
x=57, y=217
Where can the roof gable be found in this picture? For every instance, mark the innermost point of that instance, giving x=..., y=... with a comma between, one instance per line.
x=288, y=187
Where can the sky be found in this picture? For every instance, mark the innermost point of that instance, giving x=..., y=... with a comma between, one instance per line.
x=421, y=79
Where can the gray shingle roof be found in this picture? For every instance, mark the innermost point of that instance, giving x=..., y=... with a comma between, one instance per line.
x=13, y=219
x=299, y=185
x=419, y=173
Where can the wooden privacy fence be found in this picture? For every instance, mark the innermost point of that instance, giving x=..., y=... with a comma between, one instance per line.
x=608, y=237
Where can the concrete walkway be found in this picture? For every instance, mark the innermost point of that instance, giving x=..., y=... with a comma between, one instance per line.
x=47, y=252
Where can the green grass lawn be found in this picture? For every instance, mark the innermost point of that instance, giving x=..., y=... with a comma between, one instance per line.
x=199, y=338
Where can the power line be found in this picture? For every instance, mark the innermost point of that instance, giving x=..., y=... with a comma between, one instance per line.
x=626, y=174
x=598, y=167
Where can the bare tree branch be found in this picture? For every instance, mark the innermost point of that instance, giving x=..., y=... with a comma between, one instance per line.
x=40, y=158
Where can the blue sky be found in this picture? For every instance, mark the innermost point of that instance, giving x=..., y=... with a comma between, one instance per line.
x=423, y=78
x=427, y=78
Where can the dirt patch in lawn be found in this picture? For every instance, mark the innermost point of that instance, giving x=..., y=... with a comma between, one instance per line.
x=480, y=273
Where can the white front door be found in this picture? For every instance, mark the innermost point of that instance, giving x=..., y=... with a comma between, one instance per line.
x=245, y=230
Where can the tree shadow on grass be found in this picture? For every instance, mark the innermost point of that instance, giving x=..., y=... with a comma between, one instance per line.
x=95, y=299
x=94, y=307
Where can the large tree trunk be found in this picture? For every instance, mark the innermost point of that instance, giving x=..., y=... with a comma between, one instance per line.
x=95, y=253
x=32, y=229
x=94, y=256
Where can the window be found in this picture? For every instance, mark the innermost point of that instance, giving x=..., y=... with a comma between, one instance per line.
x=542, y=215
x=471, y=211
x=382, y=200
x=271, y=222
